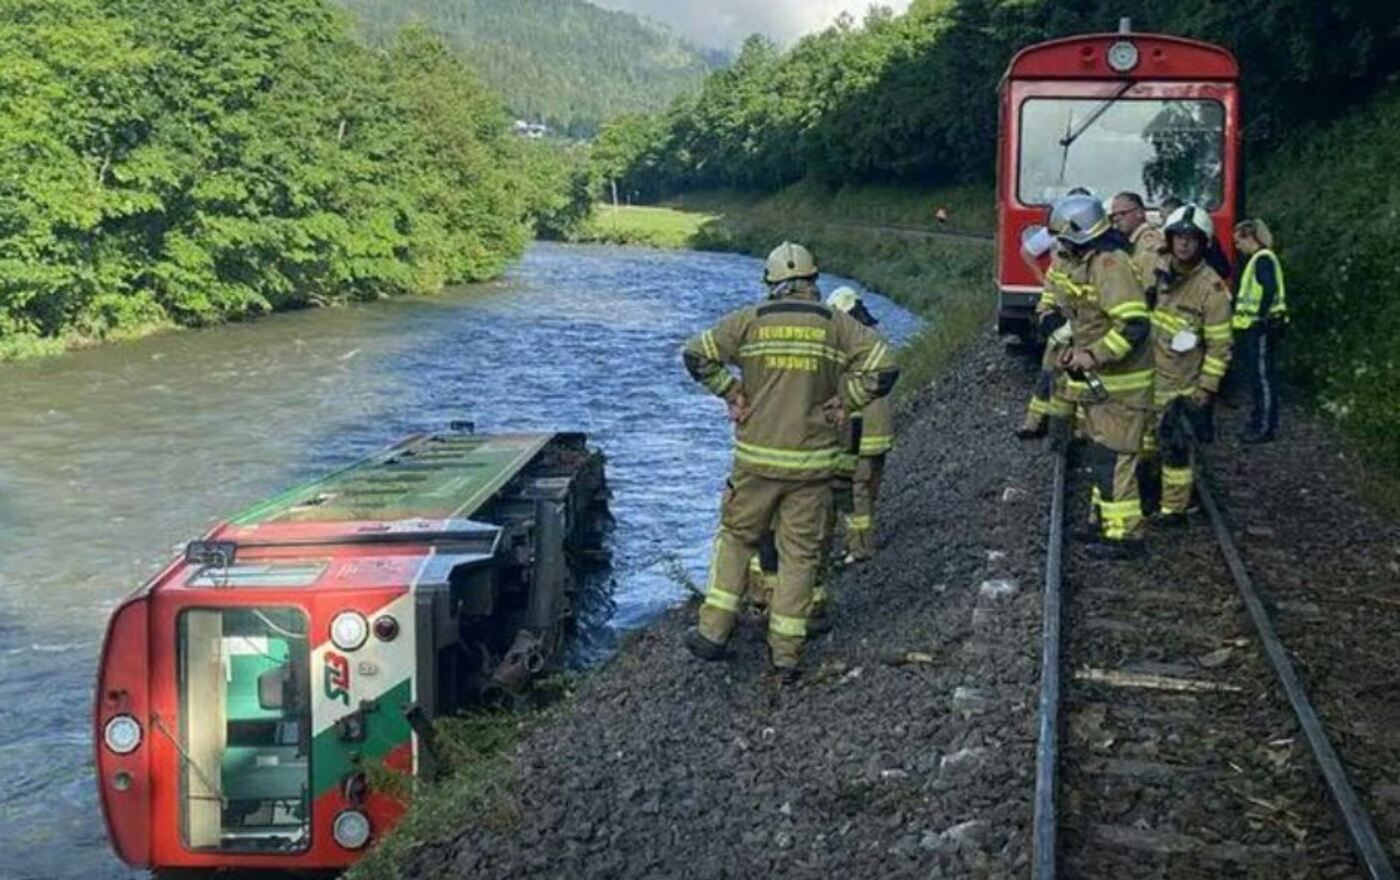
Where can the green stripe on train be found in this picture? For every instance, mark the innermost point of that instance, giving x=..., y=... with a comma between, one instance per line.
x=386, y=728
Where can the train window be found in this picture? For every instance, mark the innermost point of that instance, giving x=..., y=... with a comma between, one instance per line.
x=1157, y=148
x=245, y=729
x=287, y=573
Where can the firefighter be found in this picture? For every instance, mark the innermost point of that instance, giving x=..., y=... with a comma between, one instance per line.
x=872, y=436
x=802, y=368
x=1191, y=352
x=1129, y=216
x=1260, y=319
x=1050, y=407
x=1108, y=360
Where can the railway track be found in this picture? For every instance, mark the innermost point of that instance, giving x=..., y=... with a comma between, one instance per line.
x=1176, y=740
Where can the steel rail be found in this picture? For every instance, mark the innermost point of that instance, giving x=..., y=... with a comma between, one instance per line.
x=1359, y=827
x=1047, y=751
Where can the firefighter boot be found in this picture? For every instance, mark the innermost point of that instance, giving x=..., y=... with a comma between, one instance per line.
x=702, y=647
x=1037, y=415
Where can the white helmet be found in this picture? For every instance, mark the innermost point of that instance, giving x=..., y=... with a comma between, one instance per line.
x=1190, y=218
x=788, y=261
x=845, y=299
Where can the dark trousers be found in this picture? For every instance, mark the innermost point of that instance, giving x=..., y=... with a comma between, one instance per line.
x=1255, y=356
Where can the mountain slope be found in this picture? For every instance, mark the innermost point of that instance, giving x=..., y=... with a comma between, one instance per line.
x=565, y=62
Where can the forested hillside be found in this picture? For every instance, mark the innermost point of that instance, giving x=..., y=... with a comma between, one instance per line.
x=191, y=161
x=565, y=62
x=913, y=97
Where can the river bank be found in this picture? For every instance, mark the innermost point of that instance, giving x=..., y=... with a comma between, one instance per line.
x=112, y=457
x=875, y=764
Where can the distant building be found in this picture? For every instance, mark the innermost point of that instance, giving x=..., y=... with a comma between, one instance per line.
x=534, y=130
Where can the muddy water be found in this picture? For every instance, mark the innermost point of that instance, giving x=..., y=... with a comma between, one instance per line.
x=110, y=459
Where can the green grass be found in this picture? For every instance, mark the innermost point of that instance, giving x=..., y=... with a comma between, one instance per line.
x=947, y=281
x=652, y=226
x=474, y=789
x=24, y=346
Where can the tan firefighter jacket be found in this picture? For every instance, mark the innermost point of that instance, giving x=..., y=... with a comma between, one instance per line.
x=793, y=354
x=876, y=428
x=1190, y=331
x=1148, y=243
x=1098, y=292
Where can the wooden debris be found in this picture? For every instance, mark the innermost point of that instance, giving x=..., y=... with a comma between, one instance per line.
x=1149, y=681
x=909, y=658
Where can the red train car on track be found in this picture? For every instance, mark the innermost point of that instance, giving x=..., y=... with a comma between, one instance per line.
x=1146, y=113
x=247, y=692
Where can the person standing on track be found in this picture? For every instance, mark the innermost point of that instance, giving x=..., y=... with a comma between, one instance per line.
x=802, y=368
x=872, y=433
x=1191, y=352
x=1098, y=292
x=1261, y=317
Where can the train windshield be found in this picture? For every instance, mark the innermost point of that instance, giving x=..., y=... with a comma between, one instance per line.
x=1157, y=148
x=245, y=719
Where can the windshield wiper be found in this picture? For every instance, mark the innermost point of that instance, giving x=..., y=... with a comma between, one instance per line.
x=1072, y=132
x=1094, y=117
x=189, y=762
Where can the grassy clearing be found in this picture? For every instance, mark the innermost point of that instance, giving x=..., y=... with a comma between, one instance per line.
x=946, y=281
x=658, y=227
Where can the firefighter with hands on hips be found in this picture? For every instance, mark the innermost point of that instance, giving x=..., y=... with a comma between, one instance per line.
x=871, y=437
x=803, y=368
x=1108, y=362
x=1191, y=343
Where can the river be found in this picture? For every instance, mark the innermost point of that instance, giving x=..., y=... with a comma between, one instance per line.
x=111, y=458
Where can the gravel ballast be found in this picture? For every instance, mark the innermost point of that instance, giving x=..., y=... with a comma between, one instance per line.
x=664, y=766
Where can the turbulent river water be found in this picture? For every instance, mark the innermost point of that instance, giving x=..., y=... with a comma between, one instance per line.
x=110, y=459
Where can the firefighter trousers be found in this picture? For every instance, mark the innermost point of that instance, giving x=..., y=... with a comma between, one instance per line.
x=1116, y=433
x=865, y=492
x=799, y=511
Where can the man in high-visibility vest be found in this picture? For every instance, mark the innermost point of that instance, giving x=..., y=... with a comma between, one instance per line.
x=1097, y=290
x=1261, y=316
x=802, y=368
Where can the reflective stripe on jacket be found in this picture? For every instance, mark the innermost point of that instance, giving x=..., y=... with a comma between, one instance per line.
x=1192, y=307
x=793, y=354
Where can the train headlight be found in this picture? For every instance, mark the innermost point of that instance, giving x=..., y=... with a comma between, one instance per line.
x=122, y=734
x=1122, y=56
x=349, y=630
x=351, y=829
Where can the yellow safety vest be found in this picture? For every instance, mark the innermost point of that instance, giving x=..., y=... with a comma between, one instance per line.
x=1252, y=293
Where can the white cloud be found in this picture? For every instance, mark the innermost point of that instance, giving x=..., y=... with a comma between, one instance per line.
x=725, y=23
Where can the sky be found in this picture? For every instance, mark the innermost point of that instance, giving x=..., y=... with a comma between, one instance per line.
x=723, y=24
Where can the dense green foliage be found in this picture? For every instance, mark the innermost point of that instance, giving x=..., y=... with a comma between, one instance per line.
x=191, y=161
x=1336, y=227
x=913, y=97
x=564, y=62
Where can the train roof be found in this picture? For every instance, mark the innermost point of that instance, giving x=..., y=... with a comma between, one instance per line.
x=1161, y=57
x=409, y=506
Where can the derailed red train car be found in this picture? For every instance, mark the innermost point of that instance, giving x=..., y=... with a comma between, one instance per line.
x=247, y=690
x=1147, y=113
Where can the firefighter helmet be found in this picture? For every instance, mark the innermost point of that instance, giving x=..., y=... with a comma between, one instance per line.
x=1190, y=218
x=845, y=299
x=1078, y=219
x=787, y=262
